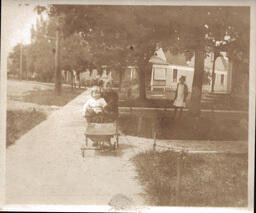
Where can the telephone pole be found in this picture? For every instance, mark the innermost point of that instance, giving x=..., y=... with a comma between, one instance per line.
x=57, y=64
x=21, y=61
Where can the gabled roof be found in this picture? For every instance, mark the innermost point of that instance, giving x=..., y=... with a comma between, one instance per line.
x=158, y=57
x=160, y=53
x=157, y=60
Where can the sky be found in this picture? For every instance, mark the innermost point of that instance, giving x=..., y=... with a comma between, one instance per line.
x=20, y=17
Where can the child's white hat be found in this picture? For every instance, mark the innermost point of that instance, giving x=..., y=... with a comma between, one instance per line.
x=95, y=89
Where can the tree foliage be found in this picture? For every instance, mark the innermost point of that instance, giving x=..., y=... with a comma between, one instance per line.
x=192, y=30
x=118, y=36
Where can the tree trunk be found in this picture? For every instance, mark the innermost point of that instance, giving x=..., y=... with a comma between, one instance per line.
x=197, y=82
x=142, y=89
x=72, y=80
x=213, y=72
x=79, y=80
x=236, y=77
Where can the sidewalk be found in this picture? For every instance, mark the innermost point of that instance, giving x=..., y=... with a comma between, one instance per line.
x=45, y=165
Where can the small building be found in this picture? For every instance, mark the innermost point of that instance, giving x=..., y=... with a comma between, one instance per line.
x=167, y=68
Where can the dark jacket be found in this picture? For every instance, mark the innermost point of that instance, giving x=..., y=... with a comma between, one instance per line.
x=111, y=97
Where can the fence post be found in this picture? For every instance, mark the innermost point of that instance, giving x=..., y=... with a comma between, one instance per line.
x=177, y=195
x=140, y=118
x=180, y=164
x=178, y=180
x=154, y=135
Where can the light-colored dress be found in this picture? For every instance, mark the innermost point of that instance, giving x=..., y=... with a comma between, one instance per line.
x=95, y=104
x=179, y=101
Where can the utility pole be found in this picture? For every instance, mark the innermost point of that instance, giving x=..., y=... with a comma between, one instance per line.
x=21, y=61
x=57, y=64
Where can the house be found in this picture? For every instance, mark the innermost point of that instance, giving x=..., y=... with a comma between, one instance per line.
x=167, y=69
x=130, y=74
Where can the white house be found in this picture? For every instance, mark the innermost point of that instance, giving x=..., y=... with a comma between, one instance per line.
x=167, y=69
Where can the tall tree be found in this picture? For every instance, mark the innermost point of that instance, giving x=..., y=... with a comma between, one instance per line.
x=193, y=30
x=199, y=30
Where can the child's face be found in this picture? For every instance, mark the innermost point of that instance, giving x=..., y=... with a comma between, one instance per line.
x=96, y=94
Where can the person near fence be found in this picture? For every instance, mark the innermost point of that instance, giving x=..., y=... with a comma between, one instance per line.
x=180, y=96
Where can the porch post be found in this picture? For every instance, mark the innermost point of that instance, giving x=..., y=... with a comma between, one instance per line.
x=152, y=78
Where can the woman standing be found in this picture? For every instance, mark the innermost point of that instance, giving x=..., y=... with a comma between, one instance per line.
x=180, y=96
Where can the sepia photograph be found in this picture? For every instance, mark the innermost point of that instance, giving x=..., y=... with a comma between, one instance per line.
x=127, y=106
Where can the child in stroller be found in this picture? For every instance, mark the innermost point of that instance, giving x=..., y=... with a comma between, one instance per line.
x=93, y=109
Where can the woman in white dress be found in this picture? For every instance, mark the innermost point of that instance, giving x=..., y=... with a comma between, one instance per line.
x=180, y=96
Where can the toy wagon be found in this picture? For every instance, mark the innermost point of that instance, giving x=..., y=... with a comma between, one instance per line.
x=100, y=134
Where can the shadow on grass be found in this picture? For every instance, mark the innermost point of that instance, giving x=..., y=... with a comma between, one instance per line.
x=20, y=122
x=49, y=97
x=217, y=180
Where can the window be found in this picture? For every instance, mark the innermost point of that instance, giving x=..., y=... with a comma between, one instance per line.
x=222, y=79
x=174, y=75
x=159, y=74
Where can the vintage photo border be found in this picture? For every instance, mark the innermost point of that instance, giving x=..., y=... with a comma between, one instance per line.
x=252, y=89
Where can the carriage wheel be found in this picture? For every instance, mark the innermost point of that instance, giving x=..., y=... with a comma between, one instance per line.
x=101, y=146
x=117, y=140
x=86, y=140
x=82, y=152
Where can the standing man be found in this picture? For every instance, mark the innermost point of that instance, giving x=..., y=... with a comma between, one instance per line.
x=111, y=97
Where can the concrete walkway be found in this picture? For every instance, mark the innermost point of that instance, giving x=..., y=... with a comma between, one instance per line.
x=45, y=166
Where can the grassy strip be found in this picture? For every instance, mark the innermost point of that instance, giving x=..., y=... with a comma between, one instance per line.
x=188, y=128
x=20, y=122
x=218, y=180
x=151, y=103
x=48, y=97
x=164, y=103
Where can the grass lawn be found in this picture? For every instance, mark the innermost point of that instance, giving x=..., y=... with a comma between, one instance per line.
x=151, y=103
x=48, y=97
x=20, y=122
x=167, y=103
x=160, y=99
x=218, y=180
x=204, y=128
